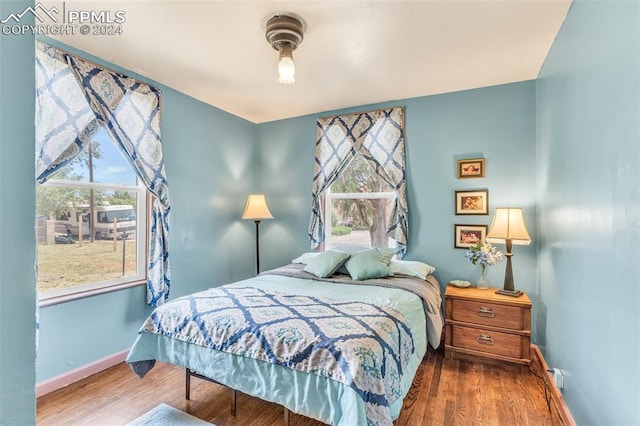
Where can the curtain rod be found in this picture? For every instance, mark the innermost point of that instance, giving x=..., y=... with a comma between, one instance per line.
x=361, y=112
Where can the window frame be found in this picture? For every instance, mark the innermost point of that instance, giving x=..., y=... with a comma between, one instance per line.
x=143, y=215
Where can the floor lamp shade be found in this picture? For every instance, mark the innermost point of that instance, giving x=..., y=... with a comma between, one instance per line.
x=257, y=210
x=508, y=228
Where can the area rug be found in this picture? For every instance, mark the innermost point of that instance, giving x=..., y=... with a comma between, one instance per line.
x=166, y=415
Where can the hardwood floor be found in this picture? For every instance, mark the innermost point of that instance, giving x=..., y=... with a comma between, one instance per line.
x=444, y=392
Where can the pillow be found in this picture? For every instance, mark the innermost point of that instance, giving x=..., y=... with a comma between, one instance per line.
x=326, y=263
x=412, y=268
x=366, y=264
x=304, y=258
x=342, y=270
x=387, y=255
x=351, y=249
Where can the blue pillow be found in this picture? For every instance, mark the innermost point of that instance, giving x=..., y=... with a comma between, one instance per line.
x=367, y=264
x=387, y=255
x=326, y=263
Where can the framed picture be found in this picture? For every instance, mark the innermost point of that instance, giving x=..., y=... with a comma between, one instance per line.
x=472, y=168
x=472, y=202
x=469, y=235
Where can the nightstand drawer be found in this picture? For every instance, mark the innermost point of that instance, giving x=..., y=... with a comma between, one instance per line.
x=487, y=313
x=487, y=341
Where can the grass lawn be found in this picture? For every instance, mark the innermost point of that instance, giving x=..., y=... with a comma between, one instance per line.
x=67, y=265
x=340, y=230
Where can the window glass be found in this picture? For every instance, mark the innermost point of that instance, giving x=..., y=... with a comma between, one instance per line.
x=109, y=165
x=358, y=206
x=91, y=223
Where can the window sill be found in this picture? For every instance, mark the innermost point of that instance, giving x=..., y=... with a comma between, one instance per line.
x=89, y=293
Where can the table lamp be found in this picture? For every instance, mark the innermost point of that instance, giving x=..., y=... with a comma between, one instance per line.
x=508, y=228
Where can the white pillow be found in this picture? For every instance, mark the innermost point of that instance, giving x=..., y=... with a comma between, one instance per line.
x=304, y=258
x=412, y=268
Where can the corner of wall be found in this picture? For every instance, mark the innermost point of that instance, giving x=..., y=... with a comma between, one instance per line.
x=17, y=233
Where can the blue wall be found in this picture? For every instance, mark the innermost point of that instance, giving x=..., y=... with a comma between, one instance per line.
x=588, y=128
x=497, y=123
x=210, y=164
x=571, y=138
x=17, y=235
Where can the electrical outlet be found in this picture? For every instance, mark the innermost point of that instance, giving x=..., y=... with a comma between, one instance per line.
x=558, y=378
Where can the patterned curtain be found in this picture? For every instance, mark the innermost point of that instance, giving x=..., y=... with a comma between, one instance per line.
x=74, y=98
x=65, y=123
x=379, y=137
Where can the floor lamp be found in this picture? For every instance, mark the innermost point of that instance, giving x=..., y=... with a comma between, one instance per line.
x=508, y=228
x=257, y=210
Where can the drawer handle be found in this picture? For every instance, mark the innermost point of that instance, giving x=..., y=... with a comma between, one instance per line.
x=484, y=339
x=486, y=312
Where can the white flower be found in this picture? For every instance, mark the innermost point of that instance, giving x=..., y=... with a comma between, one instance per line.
x=483, y=254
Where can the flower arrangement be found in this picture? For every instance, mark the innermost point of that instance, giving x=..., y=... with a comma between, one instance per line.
x=483, y=254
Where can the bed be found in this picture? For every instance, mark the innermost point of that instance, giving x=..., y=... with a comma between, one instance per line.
x=335, y=349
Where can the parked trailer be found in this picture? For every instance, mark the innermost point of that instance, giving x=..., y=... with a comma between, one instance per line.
x=124, y=217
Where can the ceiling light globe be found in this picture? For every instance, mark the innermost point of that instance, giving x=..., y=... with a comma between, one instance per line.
x=286, y=70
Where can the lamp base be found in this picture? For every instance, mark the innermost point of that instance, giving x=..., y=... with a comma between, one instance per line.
x=512, y=293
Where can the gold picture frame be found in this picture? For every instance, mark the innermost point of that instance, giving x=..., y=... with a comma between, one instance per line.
x=474, y=202
x=466, y=236
x=471, y=168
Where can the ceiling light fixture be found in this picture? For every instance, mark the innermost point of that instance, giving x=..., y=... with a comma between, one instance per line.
x=284, y=33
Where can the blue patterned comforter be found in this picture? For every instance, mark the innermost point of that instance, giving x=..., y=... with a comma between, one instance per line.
x=361, y=345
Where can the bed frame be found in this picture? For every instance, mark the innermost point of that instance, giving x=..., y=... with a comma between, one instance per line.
x=187, y=392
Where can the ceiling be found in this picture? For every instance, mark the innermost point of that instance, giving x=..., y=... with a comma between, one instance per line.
x=355, y=52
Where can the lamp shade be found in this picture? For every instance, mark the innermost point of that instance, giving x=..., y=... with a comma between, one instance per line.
x=256, y=208
x=508, y=224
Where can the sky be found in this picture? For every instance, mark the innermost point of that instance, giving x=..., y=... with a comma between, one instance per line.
x=112, y=167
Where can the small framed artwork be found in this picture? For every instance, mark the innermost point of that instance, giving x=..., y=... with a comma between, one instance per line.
x=472, y=168
x=472, y=202
x=469, y=235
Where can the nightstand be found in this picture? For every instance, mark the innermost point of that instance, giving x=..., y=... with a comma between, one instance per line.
x=483, y=325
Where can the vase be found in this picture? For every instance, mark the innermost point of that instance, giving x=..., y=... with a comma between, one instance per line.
x=483, y=282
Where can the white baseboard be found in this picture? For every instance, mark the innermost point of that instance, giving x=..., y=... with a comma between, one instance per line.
x=79, y=373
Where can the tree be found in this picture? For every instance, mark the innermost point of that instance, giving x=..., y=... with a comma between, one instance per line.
x=121, y=198
x=85, y=159
x=53, y=201
x=367, y=213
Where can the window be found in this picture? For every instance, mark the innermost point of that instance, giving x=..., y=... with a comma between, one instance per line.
x=76, y=98
x=358, y=205
x=91, y=218
x=359, y=181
